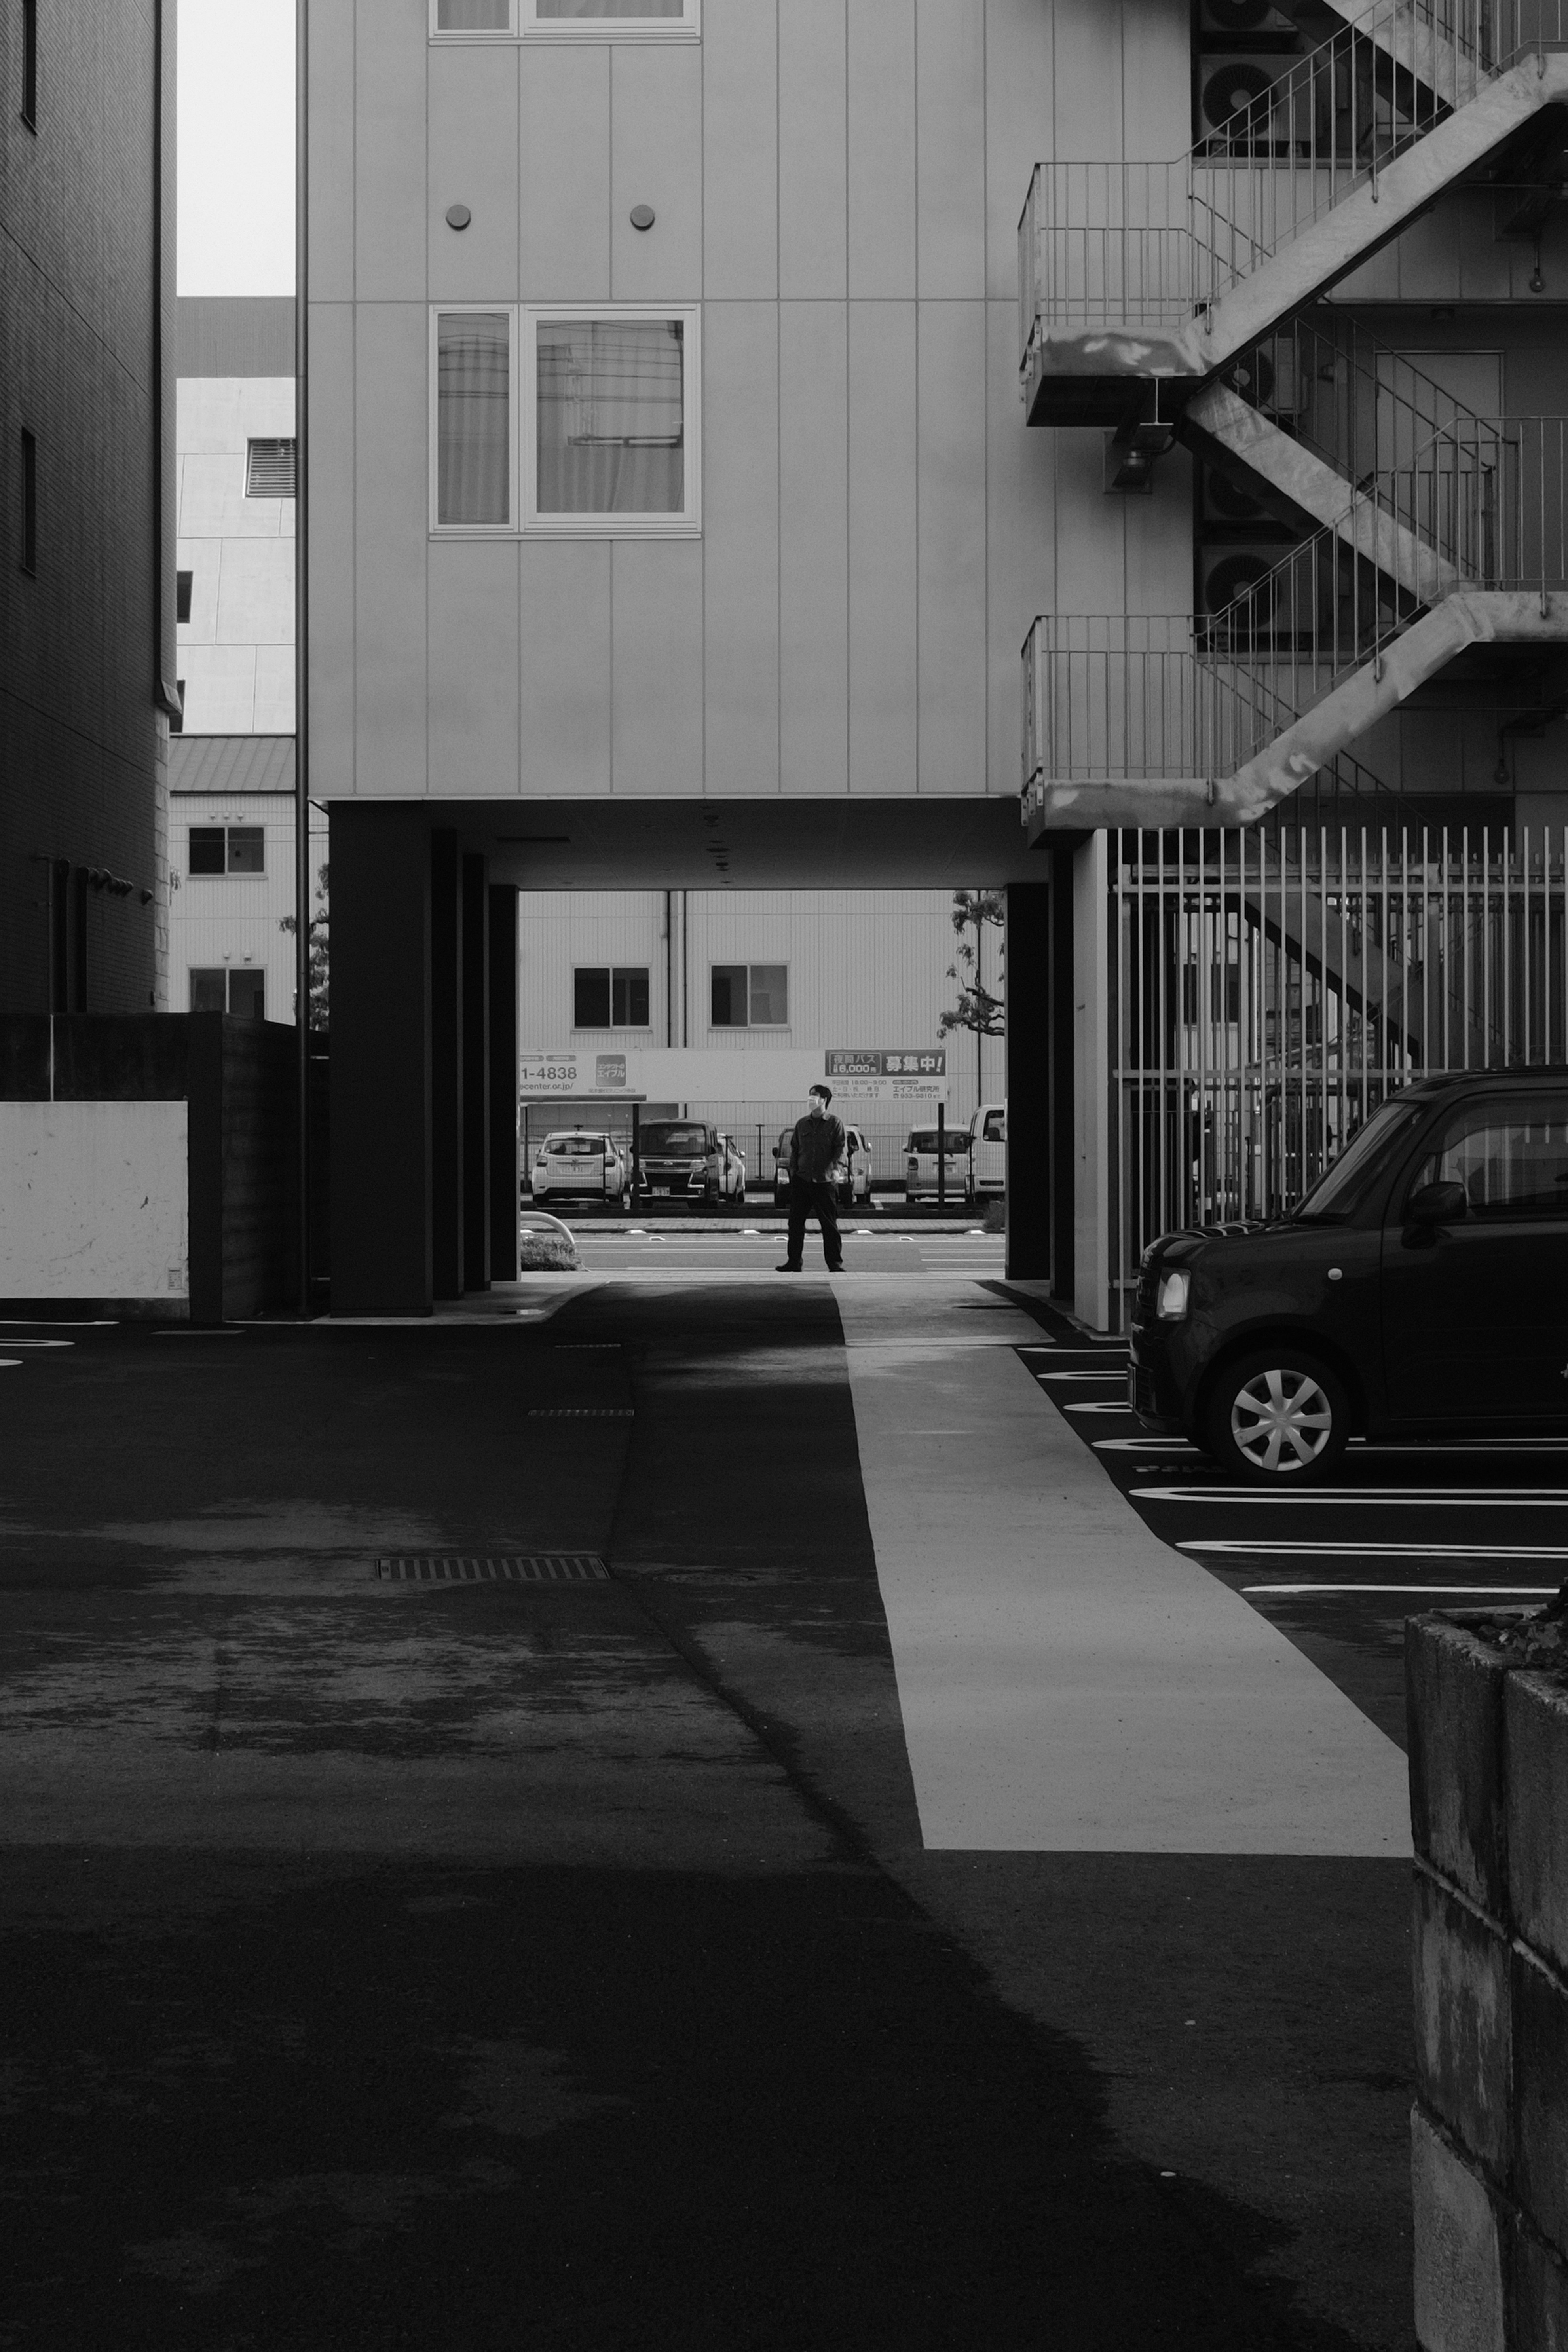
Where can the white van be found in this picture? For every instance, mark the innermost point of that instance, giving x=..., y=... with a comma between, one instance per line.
x=987, y=1175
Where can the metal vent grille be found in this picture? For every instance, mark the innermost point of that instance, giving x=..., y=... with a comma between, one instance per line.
x=269, y=469
x=579, y=1412
x=515, y=1568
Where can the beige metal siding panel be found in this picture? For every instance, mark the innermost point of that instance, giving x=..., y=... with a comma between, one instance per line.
x=391, y=507
x=741, y=541
x=881, y=148
x=331, y=683
x=883, y=622
x=1021, y=573
x=563, y=249
x=474, y=686
x=740, y=149
x=950, y=202
x=656, y=113
x=657, y=684
x=472, y=159
x=565, y=669
x=389, y=128
x=331, y=151
x=813, y=200
x=1086, y=116
x=812, y=552
x=952, y=615
x=1156, y=93
x=1158, y=539
x=1019, y=51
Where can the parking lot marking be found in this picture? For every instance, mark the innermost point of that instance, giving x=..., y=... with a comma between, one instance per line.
x=40, y=1343
x=1081, y=1376
x=1100, y=1405
x=1380, y=1550
x=1476, y=1498
x=1134, y=1445
x=1449, y=1591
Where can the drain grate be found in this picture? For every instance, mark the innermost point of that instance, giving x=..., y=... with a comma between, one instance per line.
x=515, y=1568
x=579, y=1412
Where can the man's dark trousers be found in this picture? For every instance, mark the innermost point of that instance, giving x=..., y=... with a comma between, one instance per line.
x=812, y=1201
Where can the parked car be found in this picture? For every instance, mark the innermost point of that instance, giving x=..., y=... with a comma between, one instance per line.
x=1419, y=1288
x=985, y=1178
x=681, y=1159
x=920, y=1164
x=732, y=1184
x=581, y=1164
x=857, y=1183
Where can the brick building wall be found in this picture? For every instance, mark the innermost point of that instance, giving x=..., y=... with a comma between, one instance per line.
x=87, y=631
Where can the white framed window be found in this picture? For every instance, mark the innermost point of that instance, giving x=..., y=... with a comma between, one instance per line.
x=567, y=420
x=473, y=439
x=565, y=20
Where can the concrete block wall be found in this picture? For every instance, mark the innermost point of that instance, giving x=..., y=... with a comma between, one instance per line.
x=1489, y=1799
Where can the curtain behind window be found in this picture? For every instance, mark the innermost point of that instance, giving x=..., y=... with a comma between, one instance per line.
x=611, y=416
x=473, y=16
x=611, y=8
x=472, y=438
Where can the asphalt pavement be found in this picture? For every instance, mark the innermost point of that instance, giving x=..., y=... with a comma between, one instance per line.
x=479, y=1806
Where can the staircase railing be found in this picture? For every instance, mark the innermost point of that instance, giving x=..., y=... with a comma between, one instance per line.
x=1150, y=245
x=1482, y=503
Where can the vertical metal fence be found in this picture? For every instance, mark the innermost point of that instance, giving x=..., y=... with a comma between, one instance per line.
x=1268, y=988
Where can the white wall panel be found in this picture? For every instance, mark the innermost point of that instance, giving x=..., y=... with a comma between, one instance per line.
x=332, y=682
x=657, y=666
x=952, y=523
x=473, y=688
x=389, y=131
x=96, y=1201
x=740, y=149
x=883, y=616
x=951, y=82
x=565, y=174
x=332, y=142
x=473, y=160
x=1086, y=114
x=275, y=704
x=881, y=148
x=656, y=158
x=740, y=544
x=1021, y=568
x=565, y=660
x=814, y=400
x=1156, y=87
x=813, y=204
x=392, y=513
x=1020, y=51
x=256, y=593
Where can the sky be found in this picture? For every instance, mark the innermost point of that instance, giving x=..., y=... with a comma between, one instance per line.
x=236, y=167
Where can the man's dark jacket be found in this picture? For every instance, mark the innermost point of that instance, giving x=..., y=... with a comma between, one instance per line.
x=815, y=1147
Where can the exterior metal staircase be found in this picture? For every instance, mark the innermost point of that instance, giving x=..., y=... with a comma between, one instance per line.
x=1432, y=531
x=1138, y=282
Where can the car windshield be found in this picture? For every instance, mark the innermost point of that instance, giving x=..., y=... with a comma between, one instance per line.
x=575, y=1147
x=662, y=1135
x=1339, y=1193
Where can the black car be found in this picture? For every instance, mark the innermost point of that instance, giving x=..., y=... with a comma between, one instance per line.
x=1420, y=1289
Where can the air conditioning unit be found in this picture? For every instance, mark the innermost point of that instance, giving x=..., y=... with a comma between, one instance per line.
x=1269, y=377
x=1248, y=103
x=1225, y=502
x=1227, y=572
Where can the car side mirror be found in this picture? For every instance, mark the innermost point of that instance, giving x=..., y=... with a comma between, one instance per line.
x=1435, y=1204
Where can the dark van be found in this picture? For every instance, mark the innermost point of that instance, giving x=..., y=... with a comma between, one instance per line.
x=1420, y=1289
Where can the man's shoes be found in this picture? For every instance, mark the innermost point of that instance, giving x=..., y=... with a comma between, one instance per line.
x=786, y=1269
x=836, y=1269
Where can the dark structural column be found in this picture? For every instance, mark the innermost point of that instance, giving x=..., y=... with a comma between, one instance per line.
x=1028, y=1016
x=1064, y=1029
x=381, y=1061
x=502, y=1145
x=476, y=1074
x=446, y=1065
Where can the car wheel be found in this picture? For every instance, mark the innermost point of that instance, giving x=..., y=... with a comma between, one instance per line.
x=1278, y=1414
x=740, y=1198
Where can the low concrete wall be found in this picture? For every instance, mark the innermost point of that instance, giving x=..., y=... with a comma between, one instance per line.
x=1488, y=1798
x=148, y=1165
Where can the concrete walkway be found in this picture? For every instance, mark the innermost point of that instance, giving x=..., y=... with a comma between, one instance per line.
x=1068, y=1682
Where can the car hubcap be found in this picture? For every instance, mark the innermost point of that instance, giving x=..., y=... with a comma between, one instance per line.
x=1281, y=1420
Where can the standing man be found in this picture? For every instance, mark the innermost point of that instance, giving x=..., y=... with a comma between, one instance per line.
x=815, y=1167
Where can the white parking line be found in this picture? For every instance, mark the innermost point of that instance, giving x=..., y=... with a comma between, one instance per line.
x=1381, y=1550
x=1103, y=1406
x=1475, y=1498
x=1134, y=1445
x=1083, y=1376
x=53, y=1323
x=1450, y=1591
x=40, y=1343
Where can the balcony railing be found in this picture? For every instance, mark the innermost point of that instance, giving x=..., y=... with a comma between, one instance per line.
x=1150, y=245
